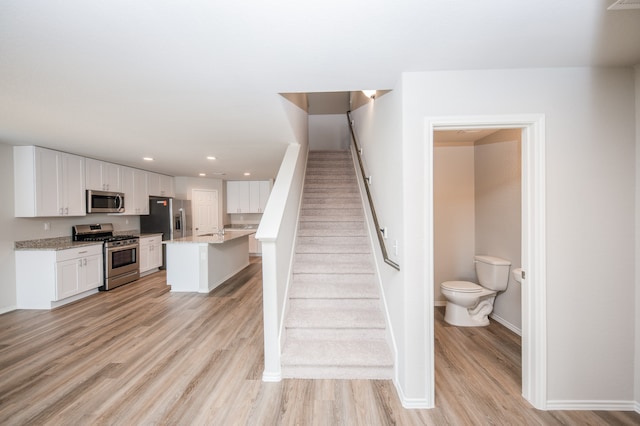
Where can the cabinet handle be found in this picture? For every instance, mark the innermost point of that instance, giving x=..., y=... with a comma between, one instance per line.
x=80, y=263
x=83, y=251
x=85, y=262
x=66, y=211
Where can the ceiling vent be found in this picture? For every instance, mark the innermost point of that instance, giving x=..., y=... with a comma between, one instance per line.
x=625, y=4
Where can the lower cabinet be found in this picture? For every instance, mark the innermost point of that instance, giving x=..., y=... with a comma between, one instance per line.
x=255, y=246
x=58, y=277
x=150, y=253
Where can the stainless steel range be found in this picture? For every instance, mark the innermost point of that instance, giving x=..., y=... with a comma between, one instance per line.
x=121, y=253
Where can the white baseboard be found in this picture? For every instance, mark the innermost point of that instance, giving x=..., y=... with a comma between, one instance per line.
x=271, y=377
x=440, y=303
x=506, y=323
x=637, y=407
x=8, y=309
x=592, y=405
x=411, y=403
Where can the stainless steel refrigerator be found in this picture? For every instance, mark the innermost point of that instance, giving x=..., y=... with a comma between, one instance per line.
x=170, y=216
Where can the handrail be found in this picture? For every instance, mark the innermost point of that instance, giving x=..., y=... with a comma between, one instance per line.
x=367, y=182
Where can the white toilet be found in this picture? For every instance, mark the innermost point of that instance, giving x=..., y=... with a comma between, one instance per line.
x=469, y=304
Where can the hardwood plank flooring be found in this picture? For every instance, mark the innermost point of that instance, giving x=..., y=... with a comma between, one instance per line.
x=140, y=355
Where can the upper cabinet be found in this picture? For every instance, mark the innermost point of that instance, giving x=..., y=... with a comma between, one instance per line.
x=161, y=185
x=247, y=196
x=48, y=183
x=136, y=192
x=103, y=176
x=53, y=183
x=258, y=195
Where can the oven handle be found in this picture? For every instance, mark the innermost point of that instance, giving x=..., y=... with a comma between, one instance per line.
x=119, y=201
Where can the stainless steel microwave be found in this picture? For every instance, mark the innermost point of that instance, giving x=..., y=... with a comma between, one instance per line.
x=105, y=202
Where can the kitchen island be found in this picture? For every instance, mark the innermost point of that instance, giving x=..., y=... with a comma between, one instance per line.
x=201, y=263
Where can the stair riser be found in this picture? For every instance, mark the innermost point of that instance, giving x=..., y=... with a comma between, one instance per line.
x=337, y=373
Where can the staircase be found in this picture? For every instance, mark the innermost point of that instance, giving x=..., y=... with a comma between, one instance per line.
x=335, y=327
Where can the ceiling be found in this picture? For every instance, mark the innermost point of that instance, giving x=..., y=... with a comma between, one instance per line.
x=178, y=80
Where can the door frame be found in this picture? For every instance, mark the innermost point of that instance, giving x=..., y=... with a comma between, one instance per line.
x=534, y=305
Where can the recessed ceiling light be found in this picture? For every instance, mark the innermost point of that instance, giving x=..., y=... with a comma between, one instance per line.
x=211, y=157
x=202, y=174
x=147, y=158
x=247, y=174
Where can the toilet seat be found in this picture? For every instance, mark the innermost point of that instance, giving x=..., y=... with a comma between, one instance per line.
x=462, y=286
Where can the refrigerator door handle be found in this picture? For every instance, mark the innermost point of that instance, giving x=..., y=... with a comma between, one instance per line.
x=183, y=222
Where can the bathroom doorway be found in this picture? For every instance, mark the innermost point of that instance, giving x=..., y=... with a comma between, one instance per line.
x=532, y=244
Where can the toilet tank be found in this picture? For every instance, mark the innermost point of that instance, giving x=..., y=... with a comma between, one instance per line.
x=493, y=272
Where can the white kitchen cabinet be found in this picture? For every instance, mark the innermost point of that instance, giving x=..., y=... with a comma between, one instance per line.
x=255, y=246
x=161, y=185
x=258, y=195
x=150, y=253
x=61, y=276
x=48, y=183
x=136, y=192
x=247, y=196
x=82, y=272
x=103, y=176
x=237, y=196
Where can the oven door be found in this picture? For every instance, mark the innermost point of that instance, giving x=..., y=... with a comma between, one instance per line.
x=122, y=265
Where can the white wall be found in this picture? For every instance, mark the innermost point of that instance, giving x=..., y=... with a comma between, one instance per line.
x=329, y=132
x=590, y=175
x=498, y=213
x=18, y=229
x=453, y=215
x=378, y=127
x=637, y=233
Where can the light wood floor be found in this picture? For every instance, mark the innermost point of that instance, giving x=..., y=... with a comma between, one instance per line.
x=141, y=355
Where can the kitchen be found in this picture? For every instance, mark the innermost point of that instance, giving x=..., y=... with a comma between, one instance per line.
x=98, y=214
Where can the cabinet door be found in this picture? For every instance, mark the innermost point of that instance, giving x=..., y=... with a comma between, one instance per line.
x=103, y=176
x=166, y=186
x=145, y=254
x=91, y=273
x=48, y=171
x=129, y=191
x=93, y=174
x=155, y=258
x=67, y=278
x=74, y=190
x=265, y=191
x=238, y=197
x=141, y=192
x=258, y=195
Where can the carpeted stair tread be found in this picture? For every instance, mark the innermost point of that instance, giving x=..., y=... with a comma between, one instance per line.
x=331, y=290
x=332, y=244
x=333, y=263
x=312, y=313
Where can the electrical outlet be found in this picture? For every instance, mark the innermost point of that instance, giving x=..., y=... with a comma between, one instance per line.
x=395, y=247
x=47, y=226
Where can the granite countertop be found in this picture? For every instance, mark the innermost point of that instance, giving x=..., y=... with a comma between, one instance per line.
x=213, y=238
x=58, y=243
x=150, y=234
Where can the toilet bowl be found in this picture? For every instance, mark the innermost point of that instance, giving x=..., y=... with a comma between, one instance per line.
x=469, y=304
